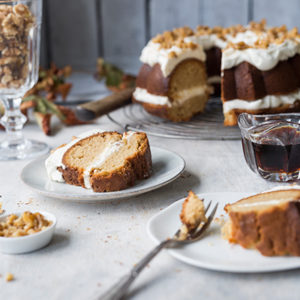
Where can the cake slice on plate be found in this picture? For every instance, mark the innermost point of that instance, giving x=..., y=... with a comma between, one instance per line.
x=102, y=161
x=268, y=222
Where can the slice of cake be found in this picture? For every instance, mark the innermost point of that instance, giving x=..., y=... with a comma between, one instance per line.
x=260, y=73
x=172, y=81
x=268, y=222
x=102, y=161
x=192, y=215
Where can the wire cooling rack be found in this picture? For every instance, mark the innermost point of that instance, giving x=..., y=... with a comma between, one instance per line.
x=205, y=126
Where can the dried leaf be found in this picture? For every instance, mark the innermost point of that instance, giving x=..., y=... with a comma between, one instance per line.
x=70, y=117
x=64, y=89
x=115, y=79
x=43, y=121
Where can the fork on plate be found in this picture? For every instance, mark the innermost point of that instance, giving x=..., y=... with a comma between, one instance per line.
x=119, y=289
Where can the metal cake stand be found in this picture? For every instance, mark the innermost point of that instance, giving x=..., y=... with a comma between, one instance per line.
x=205, y=126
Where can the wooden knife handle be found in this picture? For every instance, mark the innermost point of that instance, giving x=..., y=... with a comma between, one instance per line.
x=91, y=110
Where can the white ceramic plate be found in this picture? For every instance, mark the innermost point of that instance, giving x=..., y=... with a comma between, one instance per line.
x=212, y=252
x=167, y=166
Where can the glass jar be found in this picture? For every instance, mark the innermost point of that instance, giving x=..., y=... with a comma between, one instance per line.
x=271, y=145
x=20, y=25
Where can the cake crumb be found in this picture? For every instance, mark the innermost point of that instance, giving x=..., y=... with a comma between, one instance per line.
x=9, y=277
x=88, y=228
x=220, y=221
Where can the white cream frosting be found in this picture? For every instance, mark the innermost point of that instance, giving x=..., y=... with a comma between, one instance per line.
x=262, y=59
x=54, y=161
x=143, y=95
x=249, y=37
x=207, y=41
x=153, y=54
x=268, y=101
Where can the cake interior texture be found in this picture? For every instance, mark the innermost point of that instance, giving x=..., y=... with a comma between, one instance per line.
x=192, y=215
x=187, y=90
x=269, y=222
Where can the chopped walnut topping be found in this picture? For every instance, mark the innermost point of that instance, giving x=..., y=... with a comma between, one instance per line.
x=219, y=31
x=175, y=38
x=28, y=223
x=238, y=46
x=273, y=35
x=172, y=54
x=258, y=26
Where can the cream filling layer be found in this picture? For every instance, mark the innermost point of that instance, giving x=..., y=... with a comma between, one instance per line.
x=103, y=156
x=143, y=95
x=260, y=203
x=153, y=54
x=54, y=161
x=214, y=79
x=269, y=101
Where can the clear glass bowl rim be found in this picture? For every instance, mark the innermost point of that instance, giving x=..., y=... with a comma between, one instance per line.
x=270, y=118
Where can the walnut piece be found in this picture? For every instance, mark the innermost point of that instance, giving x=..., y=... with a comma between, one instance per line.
x=9, y=277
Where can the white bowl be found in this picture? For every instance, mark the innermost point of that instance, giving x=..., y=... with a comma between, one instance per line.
x=28, y=243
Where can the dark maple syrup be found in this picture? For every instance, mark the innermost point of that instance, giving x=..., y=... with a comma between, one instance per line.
x=276, y=150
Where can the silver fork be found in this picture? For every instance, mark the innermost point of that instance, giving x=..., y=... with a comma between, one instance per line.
x=118, y=290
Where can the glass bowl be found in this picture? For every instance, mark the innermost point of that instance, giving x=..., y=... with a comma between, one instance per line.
x=271, y=145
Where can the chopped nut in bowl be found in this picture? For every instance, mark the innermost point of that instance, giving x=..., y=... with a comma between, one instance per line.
x=25, y=231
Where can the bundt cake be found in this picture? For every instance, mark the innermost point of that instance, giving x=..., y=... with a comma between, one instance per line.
x=102, y=161
x=172, y=81
x=258, y=67
x=262, y=75
x=268, y=222
x=192, y=215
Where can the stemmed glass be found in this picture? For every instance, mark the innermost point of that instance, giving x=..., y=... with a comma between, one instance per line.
x=20, y=24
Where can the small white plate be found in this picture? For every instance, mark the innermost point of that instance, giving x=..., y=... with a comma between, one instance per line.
x=212, y=252
x=28, y=243
x=167, y=166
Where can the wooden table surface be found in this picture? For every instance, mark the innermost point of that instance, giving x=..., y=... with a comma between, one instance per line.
x=95, y=244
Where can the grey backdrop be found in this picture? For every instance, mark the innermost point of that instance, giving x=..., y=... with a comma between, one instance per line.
x=76, y=32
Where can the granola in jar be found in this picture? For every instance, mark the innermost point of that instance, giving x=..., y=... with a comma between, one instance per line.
x=15, y=25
